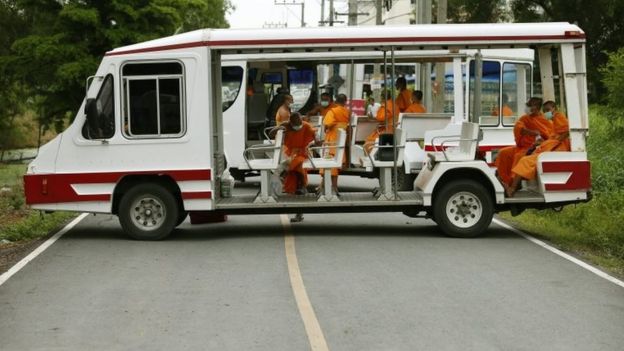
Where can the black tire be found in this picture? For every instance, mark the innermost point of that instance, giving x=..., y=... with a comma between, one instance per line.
x=405, y=182
x=463, y=209
x=181, y=216
x=148, y=212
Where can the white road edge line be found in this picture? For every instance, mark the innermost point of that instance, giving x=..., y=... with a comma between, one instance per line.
x=310, y=322
x=19, y=265
x=556, y=251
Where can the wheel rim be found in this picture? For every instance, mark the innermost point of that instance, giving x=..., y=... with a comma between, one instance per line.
x=148, y=213
x=464, y=209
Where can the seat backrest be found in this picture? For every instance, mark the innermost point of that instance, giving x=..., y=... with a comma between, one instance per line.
x=469, y=139
x=341, y=142
x=257, y=104
x=401, y=137
x=277, y=154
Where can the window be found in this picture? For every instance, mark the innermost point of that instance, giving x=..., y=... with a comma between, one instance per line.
x=153, y=99
x=516, y=91
x=490, y=90
x=300, y=82
x=100, y=123
x=231, y=80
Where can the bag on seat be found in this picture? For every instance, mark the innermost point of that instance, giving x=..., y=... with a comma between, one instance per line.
x=387, y=153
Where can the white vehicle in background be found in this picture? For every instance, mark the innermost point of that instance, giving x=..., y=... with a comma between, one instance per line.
x=150, y=141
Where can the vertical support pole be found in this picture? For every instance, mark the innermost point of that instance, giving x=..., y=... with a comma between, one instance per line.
x=476, y=101
x=576, y=94
x=458, y=114
x=546, y=73
x=394, y=126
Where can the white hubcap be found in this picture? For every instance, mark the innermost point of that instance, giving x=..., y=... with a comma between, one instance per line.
x=148, y=213
x=464, y=209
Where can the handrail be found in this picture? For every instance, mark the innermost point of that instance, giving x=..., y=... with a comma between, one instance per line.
x=450, y=138
x=327, y=146
x=258, y=147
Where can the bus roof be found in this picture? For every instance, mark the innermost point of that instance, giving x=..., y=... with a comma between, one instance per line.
x=351, y=38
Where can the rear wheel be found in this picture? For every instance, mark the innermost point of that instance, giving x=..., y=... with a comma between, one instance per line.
x=405, y=182
x=463, y=209
x=148, y=212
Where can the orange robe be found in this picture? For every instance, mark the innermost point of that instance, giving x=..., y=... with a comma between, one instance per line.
x=507, y=111
x=279, y=119
x=404, y=100
x=527, y=165
x=384, y=111
x=336, y=118
x=416, y=108
x=296, y=148
x=509, y=156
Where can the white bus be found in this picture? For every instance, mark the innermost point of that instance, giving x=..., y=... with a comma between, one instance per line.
x=149, y=142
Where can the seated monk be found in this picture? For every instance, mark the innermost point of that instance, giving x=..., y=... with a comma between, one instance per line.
x=526, y=130
x=417, y=105
x=384, y=116
x=526, y=168
x=507, y=111
x=298, y=134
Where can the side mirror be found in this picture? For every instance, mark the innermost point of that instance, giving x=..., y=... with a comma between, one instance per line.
x=92, y=117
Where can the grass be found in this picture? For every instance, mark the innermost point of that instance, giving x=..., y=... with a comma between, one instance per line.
x=593, y=230
x=18, y=222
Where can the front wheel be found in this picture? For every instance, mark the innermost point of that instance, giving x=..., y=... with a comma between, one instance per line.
x=148, y=212
x=463, y=209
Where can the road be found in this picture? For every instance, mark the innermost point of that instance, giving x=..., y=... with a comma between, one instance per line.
x=374, y=282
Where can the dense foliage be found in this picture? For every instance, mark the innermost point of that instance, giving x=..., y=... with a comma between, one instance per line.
x=49, y=47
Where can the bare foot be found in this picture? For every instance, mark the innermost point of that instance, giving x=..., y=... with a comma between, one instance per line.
x=298, y=218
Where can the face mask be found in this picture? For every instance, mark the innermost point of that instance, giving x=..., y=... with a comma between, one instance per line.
x=527, y=110
x=296, y=128
x=548, y=115
x=324, y=103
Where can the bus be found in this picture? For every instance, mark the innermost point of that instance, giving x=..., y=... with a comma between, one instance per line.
x=149, y=142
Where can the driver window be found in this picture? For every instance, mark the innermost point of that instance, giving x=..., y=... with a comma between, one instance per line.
x=102, y=125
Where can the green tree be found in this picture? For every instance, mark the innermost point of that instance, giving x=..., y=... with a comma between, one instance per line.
x=476, y=11
x=600, y=19
x=65, y=41
x=613, y=73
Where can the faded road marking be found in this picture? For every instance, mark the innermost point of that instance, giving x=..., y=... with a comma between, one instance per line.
x=311, y=324
x=556, y=251
x=19, y=265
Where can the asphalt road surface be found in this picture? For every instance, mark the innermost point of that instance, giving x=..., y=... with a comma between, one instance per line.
x=374, y=281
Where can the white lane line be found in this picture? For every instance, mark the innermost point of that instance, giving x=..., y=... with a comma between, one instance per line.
x=19, y=265
x=556, y=251
x=311, y=324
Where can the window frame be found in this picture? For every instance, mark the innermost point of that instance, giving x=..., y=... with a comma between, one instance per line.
x=529, y=88
x=125, y=97
x=97, y=96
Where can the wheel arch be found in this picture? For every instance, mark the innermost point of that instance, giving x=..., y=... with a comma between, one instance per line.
x=474, y=174
x=128, y=181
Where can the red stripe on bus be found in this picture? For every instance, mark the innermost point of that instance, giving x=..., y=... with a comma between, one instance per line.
x=57, y=188
x=580, y=179
x=197, y=195
x=338, y=41
x=484, y=148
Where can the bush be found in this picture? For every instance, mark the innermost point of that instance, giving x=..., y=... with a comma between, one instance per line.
x=594, y=229
x=613, y=80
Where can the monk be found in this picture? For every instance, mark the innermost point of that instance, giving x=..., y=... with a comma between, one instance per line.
x=336, y=118
x=384, y=116
x=404, y=97
x=417, y=105
x=526, y=132
x=283, y=112
x=526, y=168
x=323, y=107
x=507, y=111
